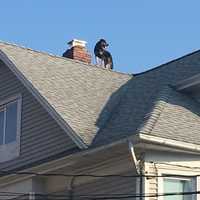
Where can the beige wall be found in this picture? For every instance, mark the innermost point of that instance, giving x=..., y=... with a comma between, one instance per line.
x=158, y=163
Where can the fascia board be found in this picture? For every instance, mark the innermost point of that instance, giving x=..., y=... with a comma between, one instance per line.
x=169, y=143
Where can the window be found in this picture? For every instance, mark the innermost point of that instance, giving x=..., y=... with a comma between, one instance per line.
x=8, y=122
x=178, y=185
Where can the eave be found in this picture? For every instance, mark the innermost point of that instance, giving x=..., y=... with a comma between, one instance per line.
x=140, y=141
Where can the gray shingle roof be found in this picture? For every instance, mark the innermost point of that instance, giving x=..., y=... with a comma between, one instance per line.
x=179, y=118
x=140, y=102
x=78, y=92
x=103, y=106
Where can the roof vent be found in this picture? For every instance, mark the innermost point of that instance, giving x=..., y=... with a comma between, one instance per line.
x=77, y=51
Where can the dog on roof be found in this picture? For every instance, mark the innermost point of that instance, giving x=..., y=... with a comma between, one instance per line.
x=103, y=57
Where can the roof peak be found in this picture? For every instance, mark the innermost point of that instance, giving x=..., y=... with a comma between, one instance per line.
x=60, y=57
x=169, y=62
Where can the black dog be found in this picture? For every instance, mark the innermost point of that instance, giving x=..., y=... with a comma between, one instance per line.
x=100, y=52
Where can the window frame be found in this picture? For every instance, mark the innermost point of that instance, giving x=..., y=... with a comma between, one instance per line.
x=11, y=150
x=194, y=180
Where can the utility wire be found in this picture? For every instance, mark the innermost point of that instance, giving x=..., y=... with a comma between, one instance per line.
x=101, y=196
x=97, y=196
x=4, y=173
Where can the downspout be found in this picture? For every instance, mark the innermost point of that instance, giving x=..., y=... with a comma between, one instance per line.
x=141, y=184
x=71, y=188
x=139, y=168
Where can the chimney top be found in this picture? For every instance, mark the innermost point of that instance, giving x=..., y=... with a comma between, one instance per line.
x=77, y=51
x=76, y=42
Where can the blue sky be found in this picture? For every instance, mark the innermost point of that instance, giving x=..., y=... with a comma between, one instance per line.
x=142, y=34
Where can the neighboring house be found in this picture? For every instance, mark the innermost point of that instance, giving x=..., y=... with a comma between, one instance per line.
x=63, y=116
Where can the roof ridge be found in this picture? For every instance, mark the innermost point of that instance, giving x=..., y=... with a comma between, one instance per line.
x=60, y=57
x=113, y=110
x=167, y=63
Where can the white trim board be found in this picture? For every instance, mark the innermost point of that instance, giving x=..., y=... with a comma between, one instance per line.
x=169, y=142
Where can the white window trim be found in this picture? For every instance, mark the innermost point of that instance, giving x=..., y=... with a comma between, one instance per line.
x=195, y=180
x=12, y=150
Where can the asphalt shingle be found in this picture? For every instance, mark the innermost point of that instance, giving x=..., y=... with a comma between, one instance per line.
x=103, y=106
x=179, y=119
x=140, y=100
x=78, y=92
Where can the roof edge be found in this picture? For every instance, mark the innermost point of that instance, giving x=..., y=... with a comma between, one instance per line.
x=64, y=58
x=169, y=142
x=63, y=124
x=167, y=63
x=136, y=139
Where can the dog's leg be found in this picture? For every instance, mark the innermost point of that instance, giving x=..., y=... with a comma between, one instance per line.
x=99, y=61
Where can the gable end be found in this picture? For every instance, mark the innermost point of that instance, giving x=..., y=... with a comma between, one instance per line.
x=63, y=124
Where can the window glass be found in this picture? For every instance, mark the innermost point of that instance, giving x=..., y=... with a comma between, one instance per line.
x=11, y=122
x=1, y=127
x=177, y=185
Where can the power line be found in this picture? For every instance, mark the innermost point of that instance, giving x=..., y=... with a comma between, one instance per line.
x=101, y=196
x=4, y=173
x=97, y=196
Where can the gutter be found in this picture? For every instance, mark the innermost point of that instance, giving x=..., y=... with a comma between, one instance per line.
x=169, y=143
x=135, y=140
x=135, y=161
x=57, y=164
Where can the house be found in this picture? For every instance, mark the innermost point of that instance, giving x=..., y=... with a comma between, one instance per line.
x=66, y=125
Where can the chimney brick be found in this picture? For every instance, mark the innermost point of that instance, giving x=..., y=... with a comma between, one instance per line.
x=78, y=51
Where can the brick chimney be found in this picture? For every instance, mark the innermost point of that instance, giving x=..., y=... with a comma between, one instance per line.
x=77, y=51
